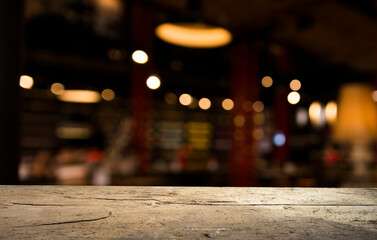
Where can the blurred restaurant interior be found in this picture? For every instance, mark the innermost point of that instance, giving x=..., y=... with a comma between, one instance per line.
x=189, y=92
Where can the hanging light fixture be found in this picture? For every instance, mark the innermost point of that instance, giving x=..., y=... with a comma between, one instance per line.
x=193, y=35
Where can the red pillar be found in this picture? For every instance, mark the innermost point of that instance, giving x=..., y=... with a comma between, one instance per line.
x=281, y=106
x=142, y=36
x=244, y=88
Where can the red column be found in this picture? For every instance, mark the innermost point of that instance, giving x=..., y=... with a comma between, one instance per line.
x=142, y=36
x=281, y=106
x=244, y=88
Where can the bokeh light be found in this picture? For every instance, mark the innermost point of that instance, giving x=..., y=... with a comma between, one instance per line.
x=238, y=135
x=185, y=99
x=228, y=104
x=239, y=121
x=171, y=98
x=316, y=114
x=80, y=96
x=108, y=95
x=331, y=112
x=279, y=139
x=293, y=97
x=258, y=119
x=295, y=85
x=153, y=82
x=204, y=103
x=258, y=134
x=194, y=103
x=26, y=82
x=115, y=54
x=57, y=88
x=374, y=96
x=258, y=106
x=267, y=81
x=247, y=106
x=140, y=57
x=302, y=117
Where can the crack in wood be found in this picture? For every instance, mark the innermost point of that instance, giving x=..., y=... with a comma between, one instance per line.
x=69, y=222
x=231, y=203
x=40, y=204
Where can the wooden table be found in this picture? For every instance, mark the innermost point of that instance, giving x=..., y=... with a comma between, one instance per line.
x=114, y=212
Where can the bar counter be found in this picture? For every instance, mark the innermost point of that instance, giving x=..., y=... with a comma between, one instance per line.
x=122, y=212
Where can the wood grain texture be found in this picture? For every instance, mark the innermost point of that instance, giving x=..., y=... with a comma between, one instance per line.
x=114, y=212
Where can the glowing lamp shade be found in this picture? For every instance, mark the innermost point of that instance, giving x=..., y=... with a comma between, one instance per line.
x=80, y=96
x=193, y=35
x=357, y=116
x=331, y=112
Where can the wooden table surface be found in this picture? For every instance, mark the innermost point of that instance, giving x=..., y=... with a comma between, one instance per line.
x=116, y=212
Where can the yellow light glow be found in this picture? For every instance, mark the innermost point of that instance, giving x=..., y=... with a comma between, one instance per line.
x=204, y=103
x=80, y=96
x=356, y=115
x=239, y=121
x=302, y=117
x=108, y=94
x=185, y=99
x=140, y=57
x=193, y=35
x=115, y=54
x=238, y=135
x=26, y=82
x=153, y=82
x=267, y=81
x=57, y=88
x=295, y=85
x=374, y=96
x=259, y=119
x=331, y=112
x=109, y=5
x=194, y=103
x=258, y=106
x=247, y=106
x=293, y=98
x=316, y=115
x=170, y=98
x=73, y=132
x=258, y=134
x=228, y=104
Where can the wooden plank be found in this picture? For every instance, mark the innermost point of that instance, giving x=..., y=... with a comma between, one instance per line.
x=115, y=212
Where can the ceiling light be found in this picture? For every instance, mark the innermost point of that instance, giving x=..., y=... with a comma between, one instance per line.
x=193, y=35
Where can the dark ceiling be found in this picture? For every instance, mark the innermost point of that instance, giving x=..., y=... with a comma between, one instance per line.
x=329, y=42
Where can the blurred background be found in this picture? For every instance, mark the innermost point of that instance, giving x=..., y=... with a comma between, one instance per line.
x=189, y=92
